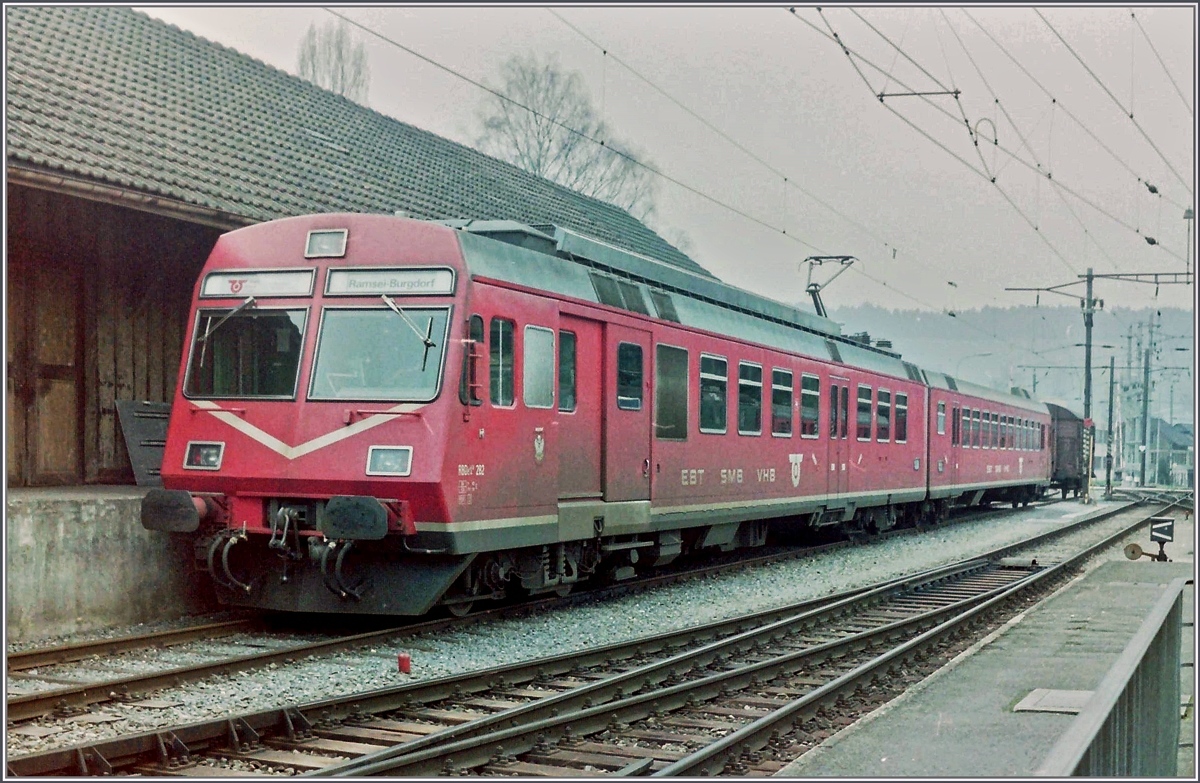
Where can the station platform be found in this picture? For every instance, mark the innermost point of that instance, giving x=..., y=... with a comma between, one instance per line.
x=960, y=722
x=78, y=559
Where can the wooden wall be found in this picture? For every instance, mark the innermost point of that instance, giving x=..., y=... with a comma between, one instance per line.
x=97, y=300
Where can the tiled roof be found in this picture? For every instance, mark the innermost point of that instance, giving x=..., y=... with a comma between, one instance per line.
x=112, y=95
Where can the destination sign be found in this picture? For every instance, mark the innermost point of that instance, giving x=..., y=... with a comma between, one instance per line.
x=282, y=283
x=406, y=281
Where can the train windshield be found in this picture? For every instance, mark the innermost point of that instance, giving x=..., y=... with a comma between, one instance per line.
x=246, y=352
x=380, y=354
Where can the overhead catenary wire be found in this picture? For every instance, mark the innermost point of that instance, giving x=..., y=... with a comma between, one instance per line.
x=1055, y=100
x=633, y=160
x=939, y=144
x=855, y=56
x=599, y=142
x=743, y=149
x=1166, y=70
x=788, y=181
x=1127, y=112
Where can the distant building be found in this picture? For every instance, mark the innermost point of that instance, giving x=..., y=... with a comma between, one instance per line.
x=131, y=146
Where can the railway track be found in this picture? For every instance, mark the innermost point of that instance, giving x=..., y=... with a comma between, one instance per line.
x=710, y=682
x=73, y=697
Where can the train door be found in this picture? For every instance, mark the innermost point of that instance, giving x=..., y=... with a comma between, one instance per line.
x=627, y=401
x=839, y=434
x=580, y=344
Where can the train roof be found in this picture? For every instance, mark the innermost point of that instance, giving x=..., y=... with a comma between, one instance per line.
x=595, y=271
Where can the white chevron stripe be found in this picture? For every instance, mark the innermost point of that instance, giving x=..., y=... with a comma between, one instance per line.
x=320, y=442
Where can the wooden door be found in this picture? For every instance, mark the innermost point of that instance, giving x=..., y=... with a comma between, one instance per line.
x=581, y=347
x=627, y=402
x=44, y=441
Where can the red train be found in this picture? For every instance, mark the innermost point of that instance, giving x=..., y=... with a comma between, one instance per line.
x=382, y=415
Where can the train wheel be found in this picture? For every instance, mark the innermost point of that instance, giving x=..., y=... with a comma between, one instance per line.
x=562, y=591
x=460, y=609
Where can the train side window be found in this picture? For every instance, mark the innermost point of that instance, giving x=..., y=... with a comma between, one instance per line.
x=901, y=418
x=985, y=438
x=670, y=393
x=537, y=376
x=566, y=371
x=1028, y=436
x=1041, y=437
x=833, y=413
x=714, y=378
x=781, y=403
x=810, y=407
x=941, y=418
x=976, y=429
x=629, y=377
x=966, y=428
x=750, y=394
x=883, y=416
x=500, y=349
x=1003, y=431
x=469, y=388
x=995, y=430
x=955, y=424
x=843, y=426
x=863, y=421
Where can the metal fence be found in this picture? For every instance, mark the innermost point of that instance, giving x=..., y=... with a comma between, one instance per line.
x=1130, y=726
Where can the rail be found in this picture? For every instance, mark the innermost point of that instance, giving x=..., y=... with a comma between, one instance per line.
x=1130, y=725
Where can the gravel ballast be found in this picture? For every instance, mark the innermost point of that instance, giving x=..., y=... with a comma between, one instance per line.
x=556, y=631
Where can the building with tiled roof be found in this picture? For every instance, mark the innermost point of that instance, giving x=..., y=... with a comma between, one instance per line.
x=130, y=146
x=115, y=96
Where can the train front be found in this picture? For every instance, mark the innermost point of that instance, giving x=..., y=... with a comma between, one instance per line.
x=305, y=434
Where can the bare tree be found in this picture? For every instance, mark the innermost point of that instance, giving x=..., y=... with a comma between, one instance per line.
x=555, y=139
x=331, y=58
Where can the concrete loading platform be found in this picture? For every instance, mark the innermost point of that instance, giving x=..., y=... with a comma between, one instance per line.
x=961, y=721
x=78, y=559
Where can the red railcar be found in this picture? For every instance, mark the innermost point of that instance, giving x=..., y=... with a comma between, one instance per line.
x=381, y=415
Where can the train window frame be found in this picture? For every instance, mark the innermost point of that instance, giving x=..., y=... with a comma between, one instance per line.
x=985, y=429
x=667, y=393
x=883, y=418
x=965, y=429
x=941, y=417
x=900, y=417
x=1041, y=436
x=860, y=411
x=572, y=372
x=1003, y=432
x=833, y=410
x=536, y=376
x=955, y=425
x=315, y=376
x=629, y=402
x=995, y=430
x=810, y=403
x=844, y=424
x=469, y=382
x=976, y=428
x=499, y=372
x=777, y=385
x=713, y=378
x=744, y=402
x=219, y=312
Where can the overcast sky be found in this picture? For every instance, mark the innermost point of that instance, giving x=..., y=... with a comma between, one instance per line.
x=879, y=181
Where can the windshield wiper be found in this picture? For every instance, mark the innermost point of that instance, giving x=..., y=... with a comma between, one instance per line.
x=423, y=338
x=211, y=328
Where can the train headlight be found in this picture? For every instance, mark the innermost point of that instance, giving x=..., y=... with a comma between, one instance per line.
x=389, y=460
x=204, y=455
